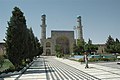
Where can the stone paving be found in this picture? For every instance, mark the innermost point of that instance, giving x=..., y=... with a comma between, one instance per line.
x=52, y=68
x=35, y=72
x=58, y=70
x=100, y=71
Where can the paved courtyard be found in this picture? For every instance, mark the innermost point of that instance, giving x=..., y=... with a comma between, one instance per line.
x=52, y=68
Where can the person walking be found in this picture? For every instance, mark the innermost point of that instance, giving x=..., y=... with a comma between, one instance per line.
x=86, y=60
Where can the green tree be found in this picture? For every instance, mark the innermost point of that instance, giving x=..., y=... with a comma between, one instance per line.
x=75, y=48
x=110, y=41
x=39, y=47
x=58, y=50
x=1, y=60
x=16, y=37
x=89, y=47
x=116, y=46
x=117, y=40
x=80, y=45
x=31, y=46
x=79, y=48
x=21, y=44
x=110, y=45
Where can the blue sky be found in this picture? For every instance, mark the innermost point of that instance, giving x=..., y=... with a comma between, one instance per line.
x=100, y=18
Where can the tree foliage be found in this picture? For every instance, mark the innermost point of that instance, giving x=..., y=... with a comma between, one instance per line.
x=82, y=46
x=58, y=50
x=1, y=60
x=112, y=46
x=21, y=44
x=79, y=47
x=15, y=38
x=89, y=47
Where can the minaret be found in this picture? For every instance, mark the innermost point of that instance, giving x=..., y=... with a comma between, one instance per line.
x=43, y=27
x=79, y=28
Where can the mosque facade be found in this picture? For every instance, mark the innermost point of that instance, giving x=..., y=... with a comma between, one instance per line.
x=65, y=39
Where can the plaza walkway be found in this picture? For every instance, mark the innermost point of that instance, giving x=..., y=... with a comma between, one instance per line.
x=52, y=68
x=35, y=72
x=103, y=72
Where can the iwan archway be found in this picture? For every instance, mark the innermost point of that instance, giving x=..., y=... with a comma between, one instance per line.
x=48, y=52
x=63, y=42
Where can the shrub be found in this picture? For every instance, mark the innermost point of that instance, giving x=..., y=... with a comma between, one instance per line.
x=112, y=59
x=81, y=60
x=66, y=56
x=23, y=63
x=1, y=60
x=118, y=58
x=59, y=55
x=12, y=67
x=93, y=60
x=27, y=61
x=5, y=56
x=105, y=59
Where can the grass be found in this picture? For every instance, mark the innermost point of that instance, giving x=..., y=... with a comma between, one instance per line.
x=6, y=65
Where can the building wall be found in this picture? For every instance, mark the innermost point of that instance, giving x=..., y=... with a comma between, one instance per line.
x=101, y=48
x=54, y=35
x=44, y=45
x=2, y=48
x=67, y=34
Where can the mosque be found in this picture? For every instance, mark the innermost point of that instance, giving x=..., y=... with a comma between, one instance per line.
x=64, y=39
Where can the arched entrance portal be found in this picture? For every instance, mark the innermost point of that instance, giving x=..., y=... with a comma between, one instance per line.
x=63, y=43
x=48, y=44
x=48, y=52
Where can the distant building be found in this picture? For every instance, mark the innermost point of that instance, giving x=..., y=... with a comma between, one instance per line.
x=2, y=48
x=65, y=39
x=101, y=48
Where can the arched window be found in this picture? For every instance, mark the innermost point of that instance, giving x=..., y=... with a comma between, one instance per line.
x=48, y=44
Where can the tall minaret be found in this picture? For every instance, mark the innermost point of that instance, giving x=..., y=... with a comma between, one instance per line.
x=79, y=28
x=43, y=27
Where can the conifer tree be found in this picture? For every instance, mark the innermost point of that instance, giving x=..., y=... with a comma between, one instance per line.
x=79, y=47
x=110, y=44
x=39, y=49
x=31, y=42
x=16, y=37
x=89, y=47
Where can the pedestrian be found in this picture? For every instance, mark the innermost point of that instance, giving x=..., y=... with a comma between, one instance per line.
x=86, y=59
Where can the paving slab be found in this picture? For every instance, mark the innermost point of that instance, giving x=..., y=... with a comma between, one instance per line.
x=100, y=71
x=52, y=68
x=35, y=72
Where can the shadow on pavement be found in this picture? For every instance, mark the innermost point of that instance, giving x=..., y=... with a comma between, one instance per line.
x=37, y=71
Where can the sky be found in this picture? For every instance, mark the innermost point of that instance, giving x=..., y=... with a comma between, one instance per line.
x=100, y=18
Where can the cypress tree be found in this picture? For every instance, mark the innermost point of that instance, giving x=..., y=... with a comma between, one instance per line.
x=31, y=42
x=21, y=44
x=16, y=37
x=39, y=47
x=110, y=47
